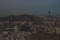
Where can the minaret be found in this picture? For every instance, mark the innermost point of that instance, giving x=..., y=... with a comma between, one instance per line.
x=49, y=13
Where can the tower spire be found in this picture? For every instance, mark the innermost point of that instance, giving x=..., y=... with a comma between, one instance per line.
x=49, y=13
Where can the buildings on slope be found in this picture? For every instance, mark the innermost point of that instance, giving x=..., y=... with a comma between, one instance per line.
x=20, y=30
x=51, y=24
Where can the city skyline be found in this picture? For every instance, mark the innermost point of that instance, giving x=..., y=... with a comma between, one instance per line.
x=35, y=7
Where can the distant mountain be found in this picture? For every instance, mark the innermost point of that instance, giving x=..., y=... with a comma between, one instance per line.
x=23, y=17
x=28, y=17
x=10, y=18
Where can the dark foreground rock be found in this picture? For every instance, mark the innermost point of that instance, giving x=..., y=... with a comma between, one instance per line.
x=44, y=36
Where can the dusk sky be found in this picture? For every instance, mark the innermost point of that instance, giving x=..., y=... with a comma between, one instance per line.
x=36, y=7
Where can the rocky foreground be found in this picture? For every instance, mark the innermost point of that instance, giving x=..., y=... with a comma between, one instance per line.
x=44, y=36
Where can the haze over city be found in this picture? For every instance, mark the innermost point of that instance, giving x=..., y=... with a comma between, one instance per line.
x=29, y=19
x=36, y=7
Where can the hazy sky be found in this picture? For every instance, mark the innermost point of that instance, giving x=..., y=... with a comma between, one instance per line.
x=37, y=7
